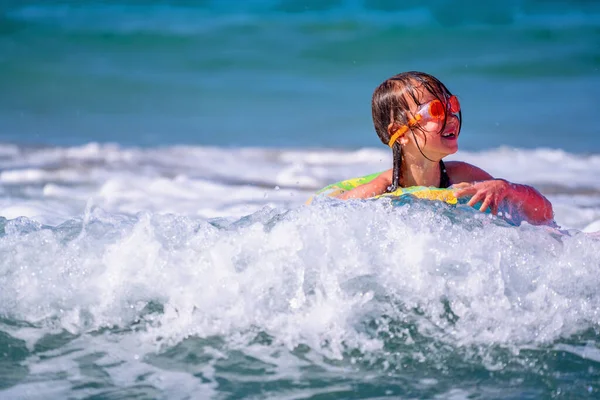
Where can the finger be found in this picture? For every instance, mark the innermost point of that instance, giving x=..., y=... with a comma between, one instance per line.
x=475, y=199
x=485, y=204
x=458, y=193
x=465, y=192
x=496, y=205
x=495, y=209
x=461, y=185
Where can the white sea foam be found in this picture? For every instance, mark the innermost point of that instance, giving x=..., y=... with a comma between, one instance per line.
x=299, y=274
x=53, y=184
x=135, y=246
x=314, y=276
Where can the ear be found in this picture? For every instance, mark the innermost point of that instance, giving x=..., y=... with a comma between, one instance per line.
x=392, y=128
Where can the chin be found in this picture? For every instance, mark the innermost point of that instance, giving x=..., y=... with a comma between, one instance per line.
x=447, y=150
x=453, y=150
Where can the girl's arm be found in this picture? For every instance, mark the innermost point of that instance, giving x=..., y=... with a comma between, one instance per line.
x=374, y=188
x=475, y=182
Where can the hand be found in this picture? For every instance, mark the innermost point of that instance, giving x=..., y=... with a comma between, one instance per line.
x=491, y=193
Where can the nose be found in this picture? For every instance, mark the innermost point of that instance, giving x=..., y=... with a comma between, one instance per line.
x=454, y=117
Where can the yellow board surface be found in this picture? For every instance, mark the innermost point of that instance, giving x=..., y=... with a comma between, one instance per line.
x=422, y=192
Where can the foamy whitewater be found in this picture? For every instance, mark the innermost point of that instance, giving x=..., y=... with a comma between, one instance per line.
x=150, y=273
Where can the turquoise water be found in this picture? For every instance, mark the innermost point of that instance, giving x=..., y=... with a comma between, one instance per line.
x=154, y=161
x=293, y=73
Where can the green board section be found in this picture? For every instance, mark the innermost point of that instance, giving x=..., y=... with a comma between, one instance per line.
x=422, y=192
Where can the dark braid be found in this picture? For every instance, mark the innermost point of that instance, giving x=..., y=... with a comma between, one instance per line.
x=397, y=168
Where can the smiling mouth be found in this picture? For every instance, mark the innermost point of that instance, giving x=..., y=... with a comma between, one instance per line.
x=449, y=135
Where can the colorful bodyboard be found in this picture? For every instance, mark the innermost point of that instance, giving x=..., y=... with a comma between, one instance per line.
x=422, y=192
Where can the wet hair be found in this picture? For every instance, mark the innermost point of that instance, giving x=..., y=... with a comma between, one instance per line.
x=390, y=105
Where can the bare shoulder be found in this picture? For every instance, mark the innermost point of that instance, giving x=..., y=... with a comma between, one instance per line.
x=385, y=177
x=377, y=186
x=460, y=171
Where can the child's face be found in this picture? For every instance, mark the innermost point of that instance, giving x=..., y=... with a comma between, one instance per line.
x=433, y=136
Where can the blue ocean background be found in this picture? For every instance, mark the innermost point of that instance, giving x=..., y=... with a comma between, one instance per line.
x=291, y=73
x=155, y=158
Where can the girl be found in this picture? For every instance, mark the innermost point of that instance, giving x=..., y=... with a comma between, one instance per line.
x=417, y=116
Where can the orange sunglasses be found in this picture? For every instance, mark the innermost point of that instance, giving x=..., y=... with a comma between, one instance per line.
x=433, y=110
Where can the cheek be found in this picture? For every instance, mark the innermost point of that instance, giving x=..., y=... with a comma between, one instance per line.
x=433, y=127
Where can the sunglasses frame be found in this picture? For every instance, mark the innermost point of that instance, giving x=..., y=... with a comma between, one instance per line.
x=431, y=110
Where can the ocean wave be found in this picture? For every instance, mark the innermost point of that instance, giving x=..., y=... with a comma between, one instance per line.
x=300, y=274
x=359, y=287
x=51, y=183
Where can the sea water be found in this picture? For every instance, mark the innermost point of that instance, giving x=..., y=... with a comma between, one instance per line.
x=155, y=157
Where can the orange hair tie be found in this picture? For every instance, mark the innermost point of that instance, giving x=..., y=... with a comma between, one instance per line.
x=403, y=129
